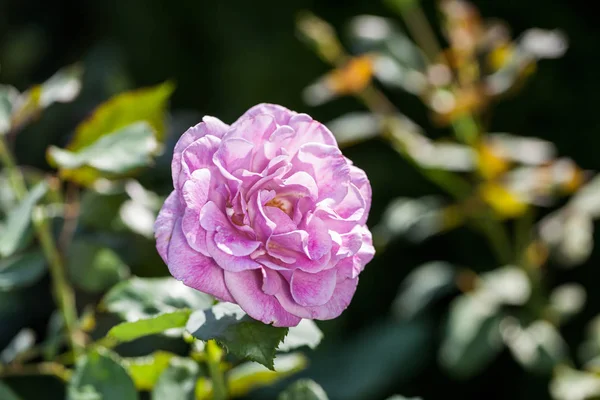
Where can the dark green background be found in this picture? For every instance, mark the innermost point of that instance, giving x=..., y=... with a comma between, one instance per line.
x=226, y=56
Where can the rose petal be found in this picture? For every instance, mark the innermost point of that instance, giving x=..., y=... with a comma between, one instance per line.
x=318, y=242
x=246, y=289
x=233, y=153
x=311, y=131
x=255, y=129
x=271, y=281
x=281, y=114
x=360, y=180
x=316, y=289
x=328, y=168
x=208, y=126
x=194, y=269
x=194, y=233
x=196, y=156
x=164, y=224
x=195, y=190
x=227, y=261
x=342, y=295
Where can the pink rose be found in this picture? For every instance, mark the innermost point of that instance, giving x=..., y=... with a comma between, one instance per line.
x=267, y=213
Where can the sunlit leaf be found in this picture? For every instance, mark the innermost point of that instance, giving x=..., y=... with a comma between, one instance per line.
x=248, y=376
x=147, y=104
x=237, y=332
x=100, y=373
x=23, y=341
x=506, y=285
x=538, y=347
x=142, y=298
x=115, y=154
x=62, y=87
x=355, y=127
x=178, y=380
x=306, y=333
x=567, y=300
x=541, y=43
x=424, y=285
x=19, y=220
x=472, y=339
x=21, y=270
x=128, y=331
x=569, y=234
x=413, y=219
x=146, y=370
x=93, y=267
x=570, y=384
x=303, y=389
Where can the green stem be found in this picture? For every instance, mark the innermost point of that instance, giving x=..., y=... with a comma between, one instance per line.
x=63, y=293
x=45, y=368
x=213, y=359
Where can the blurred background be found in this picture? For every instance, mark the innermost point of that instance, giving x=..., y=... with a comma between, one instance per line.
x=224, y=57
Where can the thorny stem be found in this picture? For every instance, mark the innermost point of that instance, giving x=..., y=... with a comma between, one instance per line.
x=63, y=293
x=213, y=359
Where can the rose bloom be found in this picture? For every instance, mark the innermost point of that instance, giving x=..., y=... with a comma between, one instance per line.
x=267, y=213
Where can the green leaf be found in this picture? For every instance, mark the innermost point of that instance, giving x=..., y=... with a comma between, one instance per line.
x=248, y=376
x=94, y=268
x=113, y=155
x=6, y=393
x=424, y=285
x=178, y=381
x=100, y=374
x=472, y=337
x=303, y=389
x=146, y=370
x=306, y=333
x=237, y=332
x=19, y=219
x=21, y=270
x=399, y=397
x=128, y=331
x=147, y=104
x=142, y=298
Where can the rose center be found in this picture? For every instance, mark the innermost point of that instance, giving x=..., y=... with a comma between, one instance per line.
x=283, y=204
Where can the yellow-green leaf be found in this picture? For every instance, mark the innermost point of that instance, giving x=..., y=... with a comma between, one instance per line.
x=146, y=370
x=146, y=104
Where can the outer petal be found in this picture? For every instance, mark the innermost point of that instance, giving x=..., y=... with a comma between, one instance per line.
x=246, y=289
x=281, y=114
x=313, y=289
x=360, y=180
x=342, y=295
x=164, y=224
x=194, y=269
x=208, y=126
x=311, y=131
